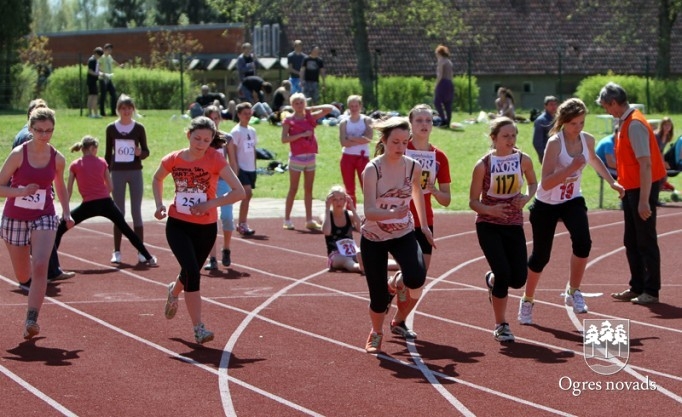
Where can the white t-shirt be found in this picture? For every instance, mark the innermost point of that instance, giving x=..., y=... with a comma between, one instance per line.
x=245, y=139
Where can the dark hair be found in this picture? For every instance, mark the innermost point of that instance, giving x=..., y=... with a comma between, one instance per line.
x=108, y=46
x=99, y=51
x=267, y=87
x=659, y=131
x=242, y=106
x=125, y=100
x=201, y=122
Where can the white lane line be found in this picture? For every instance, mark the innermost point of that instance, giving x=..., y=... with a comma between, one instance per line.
x=223, y=379
x=171, y=353
x=38, y=393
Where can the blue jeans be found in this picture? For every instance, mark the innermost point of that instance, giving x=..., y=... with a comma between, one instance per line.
x=295, y=84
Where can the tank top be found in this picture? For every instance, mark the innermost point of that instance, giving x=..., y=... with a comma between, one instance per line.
x=29, y=208
x=338, y=232
x=356, y=129
x=382, y=230
x=502, y=182
x=570, y=188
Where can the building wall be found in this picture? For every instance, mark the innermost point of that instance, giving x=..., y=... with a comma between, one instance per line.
x=70, y=48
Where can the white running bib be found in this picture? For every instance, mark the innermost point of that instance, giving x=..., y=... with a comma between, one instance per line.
x=184, y=201
x=32, y=202
x=124, y=150
x=347, y=247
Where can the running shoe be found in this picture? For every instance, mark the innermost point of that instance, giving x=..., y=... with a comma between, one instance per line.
x=140, y=258
x=201, y=335
x=502, y=333
x=226, y=261
x=402, y=330
x=212, y=264
x=31, y=329
x=116, y=257
x=171, y=302
x=288, y=225
x=313, y=225
x=525, y=312
x=152, y=262
x=373, y=344
x=576, y=301
x=244, y=230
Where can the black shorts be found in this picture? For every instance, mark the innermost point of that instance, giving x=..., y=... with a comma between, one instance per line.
x=423, y=243
x=247, y=178
x=92, y=87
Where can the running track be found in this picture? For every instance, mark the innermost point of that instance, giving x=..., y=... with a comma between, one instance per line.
x=290, y=335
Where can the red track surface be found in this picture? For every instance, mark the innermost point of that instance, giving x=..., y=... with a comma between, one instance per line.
x=290, y=335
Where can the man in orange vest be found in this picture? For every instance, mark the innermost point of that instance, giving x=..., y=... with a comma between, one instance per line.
x=640, y=168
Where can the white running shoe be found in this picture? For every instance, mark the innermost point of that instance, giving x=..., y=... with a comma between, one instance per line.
x=201, y=335
x=525, y=312
x=576, y=301
x=116, y=257
x=171, y=302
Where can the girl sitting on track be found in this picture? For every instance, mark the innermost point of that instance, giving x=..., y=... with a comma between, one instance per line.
x=191, y=227
x=559, y=198
x=94, y=183
x=340, y=221
x=29, y=222
x=495, y=195
x=391, y=180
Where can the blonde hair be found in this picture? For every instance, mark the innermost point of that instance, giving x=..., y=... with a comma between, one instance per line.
x=296, y=96
x=85, y=144
x=354, y=97
x=337, y=189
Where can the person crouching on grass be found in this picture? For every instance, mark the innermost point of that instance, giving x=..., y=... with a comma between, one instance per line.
x=191, y=227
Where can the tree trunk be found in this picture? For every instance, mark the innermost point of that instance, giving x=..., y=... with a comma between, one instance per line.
x=361, y=44
x=666, y=20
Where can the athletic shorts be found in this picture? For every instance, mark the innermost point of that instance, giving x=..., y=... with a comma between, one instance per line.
x=18, y=232
x=247, y=178
x=302, y=163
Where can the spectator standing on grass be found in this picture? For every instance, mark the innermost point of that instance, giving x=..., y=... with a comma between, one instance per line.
x=242, y=153
x=106, y=82
x=444, y=93
x=640, y=170
x=220, y=143
x=246, y=62
x=559, y=198
x=126, y=147
x=298, y=130
x=496, y=195
x=605, y=150
x=294, y=62
x=312, y=70
x=29, y=222
x=543, y=124
x=94, y=184
x=191, y=226
x=391, y=180
x=91, y=79
x=355, y=134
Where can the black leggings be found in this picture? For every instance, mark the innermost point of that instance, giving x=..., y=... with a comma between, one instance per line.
x=544, y=218
x=504, y=247
x=190, y=243
x=406, y=253
x=103, y=207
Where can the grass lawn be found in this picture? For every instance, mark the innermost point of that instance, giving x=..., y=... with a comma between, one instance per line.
x=166, y=133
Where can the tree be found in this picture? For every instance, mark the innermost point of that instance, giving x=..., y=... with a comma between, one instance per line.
x=34, y=53
x=15, y=22
x=167, y=46
x=626, y=24
x=441, y=18
x=127, y=13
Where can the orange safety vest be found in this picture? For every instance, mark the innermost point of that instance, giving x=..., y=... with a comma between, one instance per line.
x=627, y=164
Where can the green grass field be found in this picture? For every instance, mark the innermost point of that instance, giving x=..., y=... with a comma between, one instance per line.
x=166, y=133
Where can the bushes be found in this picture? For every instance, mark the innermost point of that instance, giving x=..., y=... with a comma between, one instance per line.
x=150, y=88
x=664, y=95
x=402, y=93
